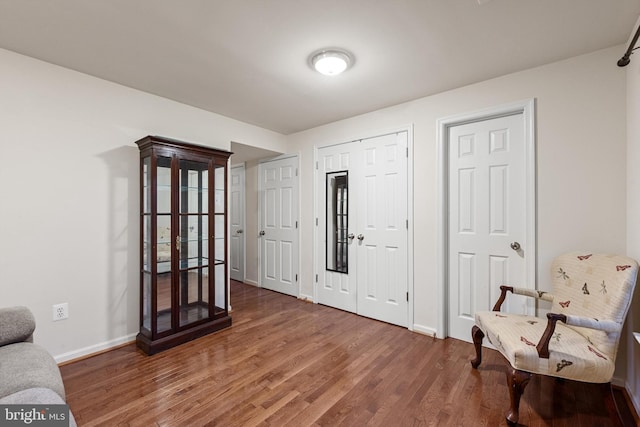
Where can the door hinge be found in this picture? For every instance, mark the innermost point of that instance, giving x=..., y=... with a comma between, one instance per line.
x=407, y=224
x=407, y=151
x=316, y=278
x=316, y=222
x=407, y=296
x=296, y=277
x=296, y=224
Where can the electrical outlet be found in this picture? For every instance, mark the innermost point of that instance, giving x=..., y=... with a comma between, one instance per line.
x=60, y=311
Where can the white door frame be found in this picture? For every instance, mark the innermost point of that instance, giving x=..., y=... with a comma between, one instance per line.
x=260, y=207
x=410, y=196
x=527, y=109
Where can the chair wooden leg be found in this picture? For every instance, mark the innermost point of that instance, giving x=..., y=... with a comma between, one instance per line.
x=610, y=404
x=477, y=335
x=516, y=380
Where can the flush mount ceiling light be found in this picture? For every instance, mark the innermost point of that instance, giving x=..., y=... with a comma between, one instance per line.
x=331, y=62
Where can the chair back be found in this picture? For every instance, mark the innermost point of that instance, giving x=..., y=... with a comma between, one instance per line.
x=597, y=286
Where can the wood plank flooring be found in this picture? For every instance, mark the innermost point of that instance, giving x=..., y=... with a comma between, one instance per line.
x=288, y=362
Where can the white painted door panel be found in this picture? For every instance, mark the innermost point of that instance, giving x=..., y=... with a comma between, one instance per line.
x=382, y=223
x=335, y=289
x=487, y=199
x=279, y=222
x=237, y=211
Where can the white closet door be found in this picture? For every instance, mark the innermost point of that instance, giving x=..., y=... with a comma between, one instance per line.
x=382, y=228
x=334, y=288
x=376, y=282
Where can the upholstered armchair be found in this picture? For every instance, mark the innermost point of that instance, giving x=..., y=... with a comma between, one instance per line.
x=579, y=338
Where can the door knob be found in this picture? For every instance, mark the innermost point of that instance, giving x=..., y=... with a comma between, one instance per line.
x=515, y=246
x=351, y=236
x=361, y=237
x=261, y=233
x=239, y=231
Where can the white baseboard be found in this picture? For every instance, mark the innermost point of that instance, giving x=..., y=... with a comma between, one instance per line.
x=635, y=400
x=96, y=348
x=424, y=330
x=250, y=282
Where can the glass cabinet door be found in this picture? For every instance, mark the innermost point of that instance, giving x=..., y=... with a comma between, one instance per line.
x=193, y=238
x=146, y=294
x=164, y=244
x=220, y=266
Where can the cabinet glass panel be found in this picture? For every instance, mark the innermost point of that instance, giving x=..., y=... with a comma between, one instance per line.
x=194, y=242
x=146, y=243
x=163, y=268
x=194, y=187
x=164, y=301
x=218, y=234
x=220, y=288
x=163, y=185
x=146, y=300
x=194, y=295
x=146, y=185
x=164, y=244
x=219, y=176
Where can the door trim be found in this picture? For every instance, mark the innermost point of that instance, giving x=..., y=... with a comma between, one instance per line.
x=527, y=109
x=410, y=206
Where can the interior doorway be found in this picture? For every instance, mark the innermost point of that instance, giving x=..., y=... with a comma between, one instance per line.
x=279, y=222
x=487, y=238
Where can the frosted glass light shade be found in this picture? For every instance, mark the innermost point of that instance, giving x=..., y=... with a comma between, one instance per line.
x=331, y=62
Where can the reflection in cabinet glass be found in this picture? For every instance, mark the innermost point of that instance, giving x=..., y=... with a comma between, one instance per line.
x=183, y=279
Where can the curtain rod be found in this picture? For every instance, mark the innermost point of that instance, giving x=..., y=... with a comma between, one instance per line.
x=624, y=61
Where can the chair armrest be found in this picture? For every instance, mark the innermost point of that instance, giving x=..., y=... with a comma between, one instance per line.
x=591, y=323
x=584, y=322
x=545, y=296
x=16, y=325
x=543, y=344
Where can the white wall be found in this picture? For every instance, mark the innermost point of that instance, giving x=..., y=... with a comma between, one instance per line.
x=69, y=197
x=632, y=349
x=581, y=149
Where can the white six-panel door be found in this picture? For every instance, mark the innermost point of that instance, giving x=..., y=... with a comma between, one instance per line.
x=236, y=201
x=336, y=289
x=487, y=212
x=376, y=284
x=382, y=228
x=279, y=222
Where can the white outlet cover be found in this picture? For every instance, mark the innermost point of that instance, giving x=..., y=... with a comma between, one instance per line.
x=60, y=311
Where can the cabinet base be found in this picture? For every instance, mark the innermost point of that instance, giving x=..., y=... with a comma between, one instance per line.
x=155, y=346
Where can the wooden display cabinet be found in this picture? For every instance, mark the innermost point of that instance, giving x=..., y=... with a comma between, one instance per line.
x=183, y=234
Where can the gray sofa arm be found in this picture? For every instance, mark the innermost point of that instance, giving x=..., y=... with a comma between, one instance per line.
x=16, y=325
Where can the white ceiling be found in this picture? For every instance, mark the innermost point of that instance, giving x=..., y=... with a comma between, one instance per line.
x=247, y=59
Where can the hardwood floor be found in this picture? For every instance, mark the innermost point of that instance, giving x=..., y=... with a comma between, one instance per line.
x=288, y=362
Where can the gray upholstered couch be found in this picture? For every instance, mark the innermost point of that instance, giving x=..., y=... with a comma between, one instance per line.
x=29, y=373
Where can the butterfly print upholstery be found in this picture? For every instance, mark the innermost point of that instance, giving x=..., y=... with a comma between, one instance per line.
x=564, y=363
